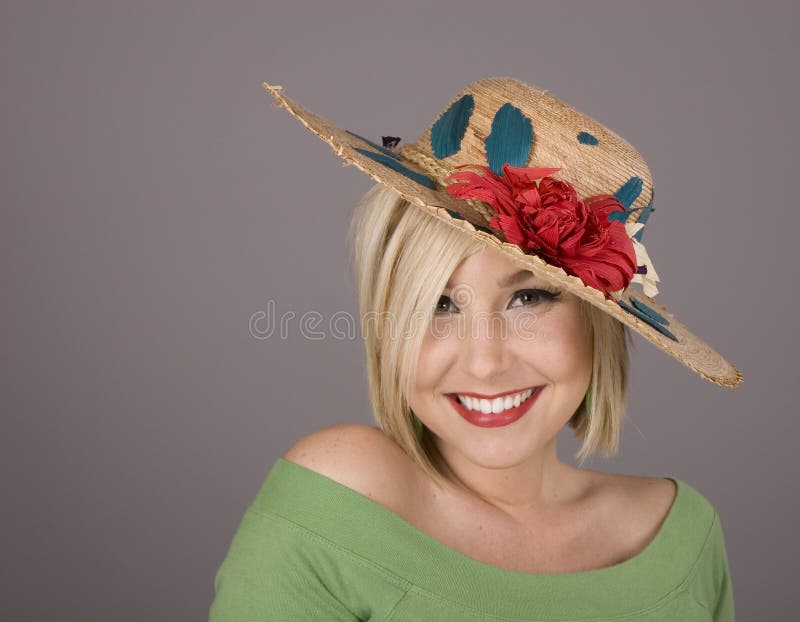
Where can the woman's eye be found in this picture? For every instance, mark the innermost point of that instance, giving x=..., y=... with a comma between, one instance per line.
x=533, y=296
x=527, y=296
x=443, y=306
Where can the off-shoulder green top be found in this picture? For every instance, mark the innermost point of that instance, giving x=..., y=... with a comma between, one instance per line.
x=309, y=548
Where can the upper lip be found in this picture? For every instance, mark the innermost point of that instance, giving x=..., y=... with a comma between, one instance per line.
x=496, y=395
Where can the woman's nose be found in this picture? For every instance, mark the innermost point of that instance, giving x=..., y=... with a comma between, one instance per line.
x=486, y=347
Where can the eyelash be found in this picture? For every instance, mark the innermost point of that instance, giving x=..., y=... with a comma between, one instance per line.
x=544, y=295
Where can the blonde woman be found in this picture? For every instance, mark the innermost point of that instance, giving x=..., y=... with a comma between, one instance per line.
x=496, y=306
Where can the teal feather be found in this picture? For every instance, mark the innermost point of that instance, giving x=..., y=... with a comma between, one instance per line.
x=448, y=131
x=510, y=139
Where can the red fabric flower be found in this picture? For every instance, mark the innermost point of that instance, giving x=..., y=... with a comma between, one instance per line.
x=550, y=220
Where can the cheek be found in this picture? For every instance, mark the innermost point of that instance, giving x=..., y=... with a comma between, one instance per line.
x=435, y=358
x=525, y=325
x=559, y=337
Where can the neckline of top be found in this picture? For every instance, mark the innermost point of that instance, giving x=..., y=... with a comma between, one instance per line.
x=375, y=532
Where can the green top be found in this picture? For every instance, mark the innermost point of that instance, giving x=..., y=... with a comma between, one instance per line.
x=310, y=548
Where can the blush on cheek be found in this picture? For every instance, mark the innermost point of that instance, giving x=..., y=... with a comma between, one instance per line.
x=527, y=326
x=566, y=348
x=435, y=357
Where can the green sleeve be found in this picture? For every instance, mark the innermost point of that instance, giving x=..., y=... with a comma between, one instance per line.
x=710, y=579
x=723, y=612
x=267, y=576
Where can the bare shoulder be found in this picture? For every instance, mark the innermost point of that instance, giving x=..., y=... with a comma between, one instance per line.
x=359, y=457
x=639, y=507
x=656, y=495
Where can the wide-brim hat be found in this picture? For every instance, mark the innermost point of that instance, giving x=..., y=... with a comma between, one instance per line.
x=515, y=133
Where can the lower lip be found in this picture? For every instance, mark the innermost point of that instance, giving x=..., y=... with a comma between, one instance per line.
x=495, y=420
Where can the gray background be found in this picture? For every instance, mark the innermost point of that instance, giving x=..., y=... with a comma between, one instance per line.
x=154, y=198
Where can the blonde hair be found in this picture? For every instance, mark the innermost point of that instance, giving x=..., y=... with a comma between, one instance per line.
x=403, y=257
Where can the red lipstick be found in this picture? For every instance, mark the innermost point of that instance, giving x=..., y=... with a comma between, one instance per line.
x=494, y=420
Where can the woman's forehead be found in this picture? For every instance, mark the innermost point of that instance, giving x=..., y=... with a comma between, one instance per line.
x=490, y=268
x=508, y=280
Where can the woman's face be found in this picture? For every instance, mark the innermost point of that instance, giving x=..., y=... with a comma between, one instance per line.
x=499, y=335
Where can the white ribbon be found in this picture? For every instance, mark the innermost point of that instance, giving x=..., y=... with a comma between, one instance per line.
x=648, y=281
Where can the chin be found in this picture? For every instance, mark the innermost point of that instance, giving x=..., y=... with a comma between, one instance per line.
x=504, y=450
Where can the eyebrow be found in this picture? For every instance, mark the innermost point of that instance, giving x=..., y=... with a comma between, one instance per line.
x=508, y=281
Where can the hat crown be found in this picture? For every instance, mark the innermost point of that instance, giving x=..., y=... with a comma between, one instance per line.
x=497, y=120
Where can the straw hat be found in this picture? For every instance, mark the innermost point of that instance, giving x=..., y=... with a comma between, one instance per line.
x=543, y=184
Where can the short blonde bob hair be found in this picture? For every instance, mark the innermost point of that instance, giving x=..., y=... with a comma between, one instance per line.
x=403, y=257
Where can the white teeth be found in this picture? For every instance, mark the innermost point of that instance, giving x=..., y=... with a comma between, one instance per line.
x=497, y=405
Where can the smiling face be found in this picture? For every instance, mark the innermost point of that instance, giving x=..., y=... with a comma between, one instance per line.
x=504, y=365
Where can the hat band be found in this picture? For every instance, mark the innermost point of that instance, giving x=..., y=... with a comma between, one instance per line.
x=433, y=167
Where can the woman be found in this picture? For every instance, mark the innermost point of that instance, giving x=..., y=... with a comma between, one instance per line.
x=496, y=305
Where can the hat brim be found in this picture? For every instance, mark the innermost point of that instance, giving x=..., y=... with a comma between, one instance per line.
x=426, y=190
